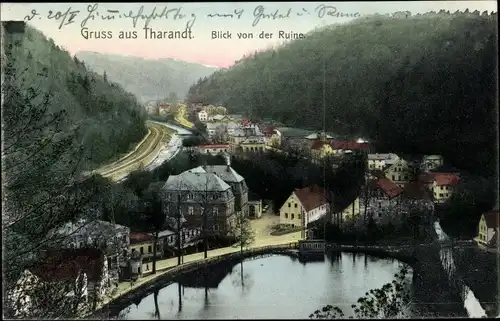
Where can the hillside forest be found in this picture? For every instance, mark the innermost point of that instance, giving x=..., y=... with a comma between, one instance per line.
x=59, y=120
x=412, y=85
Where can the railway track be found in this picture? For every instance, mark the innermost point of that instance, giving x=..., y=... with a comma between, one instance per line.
x=143, y=154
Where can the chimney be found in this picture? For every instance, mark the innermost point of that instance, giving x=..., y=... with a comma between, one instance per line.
x=228, y=162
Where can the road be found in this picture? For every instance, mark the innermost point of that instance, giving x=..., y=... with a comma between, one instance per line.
x=180, y=116
x=159, y=145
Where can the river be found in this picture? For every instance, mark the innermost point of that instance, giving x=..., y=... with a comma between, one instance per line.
x=276, y=286
x=471, y=304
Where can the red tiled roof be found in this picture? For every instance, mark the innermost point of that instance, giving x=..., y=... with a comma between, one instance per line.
x=215, y=146
x=318, y=144
x=442, y=179
x=245, y=122
x=348, y=144
x=387, y=186
x=64, y=264
x=311, y=197
x=492, y=219
x=140, y=237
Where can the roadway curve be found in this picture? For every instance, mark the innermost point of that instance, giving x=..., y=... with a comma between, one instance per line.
x=146, y=154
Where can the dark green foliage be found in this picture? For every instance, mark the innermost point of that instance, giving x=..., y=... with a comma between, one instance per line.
x=461, y=213
x=424, y=84
x=388, y=302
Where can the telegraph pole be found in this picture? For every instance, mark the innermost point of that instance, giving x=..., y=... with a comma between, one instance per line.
x=179, y=250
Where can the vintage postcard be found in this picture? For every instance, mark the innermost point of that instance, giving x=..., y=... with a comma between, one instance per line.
x=246, y=160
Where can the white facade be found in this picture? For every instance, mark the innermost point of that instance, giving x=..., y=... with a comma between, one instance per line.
x=203, y=116
x=213, y=149
x=316, y=213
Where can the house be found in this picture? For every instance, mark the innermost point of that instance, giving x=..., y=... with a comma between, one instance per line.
x=254, y=206
x=273, y=136
x=343, y=146
x=399, y=172
x=431, y=162
x=320, y=149
x=203, y=116
x=253, y=144
x=488, y=229
x=221, y=119
x=214, y=129
x=112, y=238
x=189, y=237
x=381, y=196
x=163, y=109
x=197, y=196
x=304, y=206
x=79, y=274
x=214, y=149
x=443, y=185
x=233, y=179
x=143, y=243
x=380, y=161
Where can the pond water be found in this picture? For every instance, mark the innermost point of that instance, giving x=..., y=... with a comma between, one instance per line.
x=277, y=286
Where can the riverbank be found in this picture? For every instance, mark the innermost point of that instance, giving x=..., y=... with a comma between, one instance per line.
x=480, y=271
x=148, y=284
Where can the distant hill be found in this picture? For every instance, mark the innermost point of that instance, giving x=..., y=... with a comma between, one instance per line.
x=145, y=78
x=417, y=84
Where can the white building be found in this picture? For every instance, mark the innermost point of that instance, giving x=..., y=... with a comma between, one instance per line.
x=431, y=162
x=379, y=161
x=203, y=116
x=214, y=149
x=304, y=206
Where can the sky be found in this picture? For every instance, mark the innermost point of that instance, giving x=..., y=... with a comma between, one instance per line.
x=299, y=17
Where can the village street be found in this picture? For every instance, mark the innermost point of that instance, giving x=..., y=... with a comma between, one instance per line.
x=263, y=237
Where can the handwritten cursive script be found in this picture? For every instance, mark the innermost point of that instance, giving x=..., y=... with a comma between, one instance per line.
x=93, y=13
x=331, y=11
x=260, y=13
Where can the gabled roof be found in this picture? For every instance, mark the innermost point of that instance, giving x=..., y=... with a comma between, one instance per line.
x=426, y=177
x=384, y=157
x=311, y=197
x=387, y=186
x=445, y=179
x=226, y=173
x=65, y=264
x=492, y=219
x=140, y=237
x=196, y=181
x=396, y=163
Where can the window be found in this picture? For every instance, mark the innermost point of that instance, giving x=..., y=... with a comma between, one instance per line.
x=190, y=196
x=150, y=249
x=286, y=215
x=295, y=205
x=141, y=250
x=293, y=216
x=393, y=178
x=216, y=227
x=440, y=194
x=298, y=216
x=289, y=205
x=190, y=210
x=215, y=211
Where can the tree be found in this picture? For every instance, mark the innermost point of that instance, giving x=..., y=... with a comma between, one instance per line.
x=245, y=235
x=390, y=301
x=153, y=215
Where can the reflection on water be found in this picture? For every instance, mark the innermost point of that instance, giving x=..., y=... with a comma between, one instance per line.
x=271, y=287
